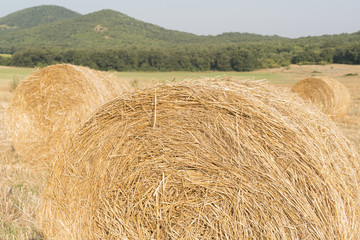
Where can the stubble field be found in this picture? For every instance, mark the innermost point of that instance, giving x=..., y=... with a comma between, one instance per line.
x=21, y=183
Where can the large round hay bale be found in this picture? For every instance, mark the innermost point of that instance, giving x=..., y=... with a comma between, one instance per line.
x=52, y=102
x=214, y=159
x=327, y=94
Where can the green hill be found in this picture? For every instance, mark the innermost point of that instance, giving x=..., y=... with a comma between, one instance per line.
x=236, y=37
x=110, y=40
x=102, y=29
x=35, y=16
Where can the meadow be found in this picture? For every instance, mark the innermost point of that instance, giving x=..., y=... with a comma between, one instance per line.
x=21, y=183
x=5, y=55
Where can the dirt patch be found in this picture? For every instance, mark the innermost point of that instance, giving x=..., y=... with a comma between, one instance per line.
x=99, y=28
x=7, y=27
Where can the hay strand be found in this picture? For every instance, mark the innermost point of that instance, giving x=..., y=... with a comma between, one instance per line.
x=329, y=95
x=52, y=102
x=225, y=160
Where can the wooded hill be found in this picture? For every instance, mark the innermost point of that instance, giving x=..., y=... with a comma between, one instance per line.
x=53, y=26
x=35, y=16
x=111, y=40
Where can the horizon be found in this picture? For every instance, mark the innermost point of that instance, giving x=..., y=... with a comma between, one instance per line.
x=209, y=23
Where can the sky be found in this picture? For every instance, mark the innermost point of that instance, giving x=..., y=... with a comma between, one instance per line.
x=287, y=18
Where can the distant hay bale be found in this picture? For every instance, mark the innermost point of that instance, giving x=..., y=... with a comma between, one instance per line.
x=327, y=94
x=204, y=159
x=52, y=102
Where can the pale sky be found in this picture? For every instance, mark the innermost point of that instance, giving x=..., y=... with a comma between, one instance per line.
x=287, y=18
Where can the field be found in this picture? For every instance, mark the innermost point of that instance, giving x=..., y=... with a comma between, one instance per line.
x=5, y=55
x=21, y=183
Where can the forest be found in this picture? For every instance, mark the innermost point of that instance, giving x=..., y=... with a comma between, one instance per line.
x=196, y=57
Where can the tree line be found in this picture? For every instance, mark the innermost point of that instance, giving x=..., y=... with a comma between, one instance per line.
x=226, y=57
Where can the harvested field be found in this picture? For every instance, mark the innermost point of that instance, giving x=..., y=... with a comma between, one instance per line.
x=213, y=158
x=22, y=183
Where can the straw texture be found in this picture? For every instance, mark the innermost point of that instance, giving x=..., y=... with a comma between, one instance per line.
x=204, y=159
x=52, y=102
x=327, y=94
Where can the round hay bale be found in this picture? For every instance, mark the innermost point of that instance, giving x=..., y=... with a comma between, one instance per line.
x=214, y=159
x=330, y=96
x=47, y=106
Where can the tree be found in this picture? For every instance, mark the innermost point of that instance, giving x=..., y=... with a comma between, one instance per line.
x=243, y=60
x=221, y=61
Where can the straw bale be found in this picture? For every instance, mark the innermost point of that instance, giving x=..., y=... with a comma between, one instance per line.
x=327, y=94
x=47, y=106
x=204, y=159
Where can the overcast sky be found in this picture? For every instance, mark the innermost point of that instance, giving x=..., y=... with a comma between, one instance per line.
x=288, y=18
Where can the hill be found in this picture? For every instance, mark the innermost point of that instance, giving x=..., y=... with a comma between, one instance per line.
x=110, y=40
x=35, y=16
x=104, y=29
x=236, y=37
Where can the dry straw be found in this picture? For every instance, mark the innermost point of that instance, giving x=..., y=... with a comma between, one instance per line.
x=52, y=102
x=205, y=159
x=327, y=94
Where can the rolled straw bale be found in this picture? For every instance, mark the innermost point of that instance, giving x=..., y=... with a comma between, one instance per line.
x=52, y=102
x=204, y=159
x=327, y=94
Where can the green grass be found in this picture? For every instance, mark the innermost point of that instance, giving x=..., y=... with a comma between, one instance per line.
x=169, y=76
x=5, y=72
x=11, y=75
x=5, y=55
x=351, y=75
x=140, y=79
